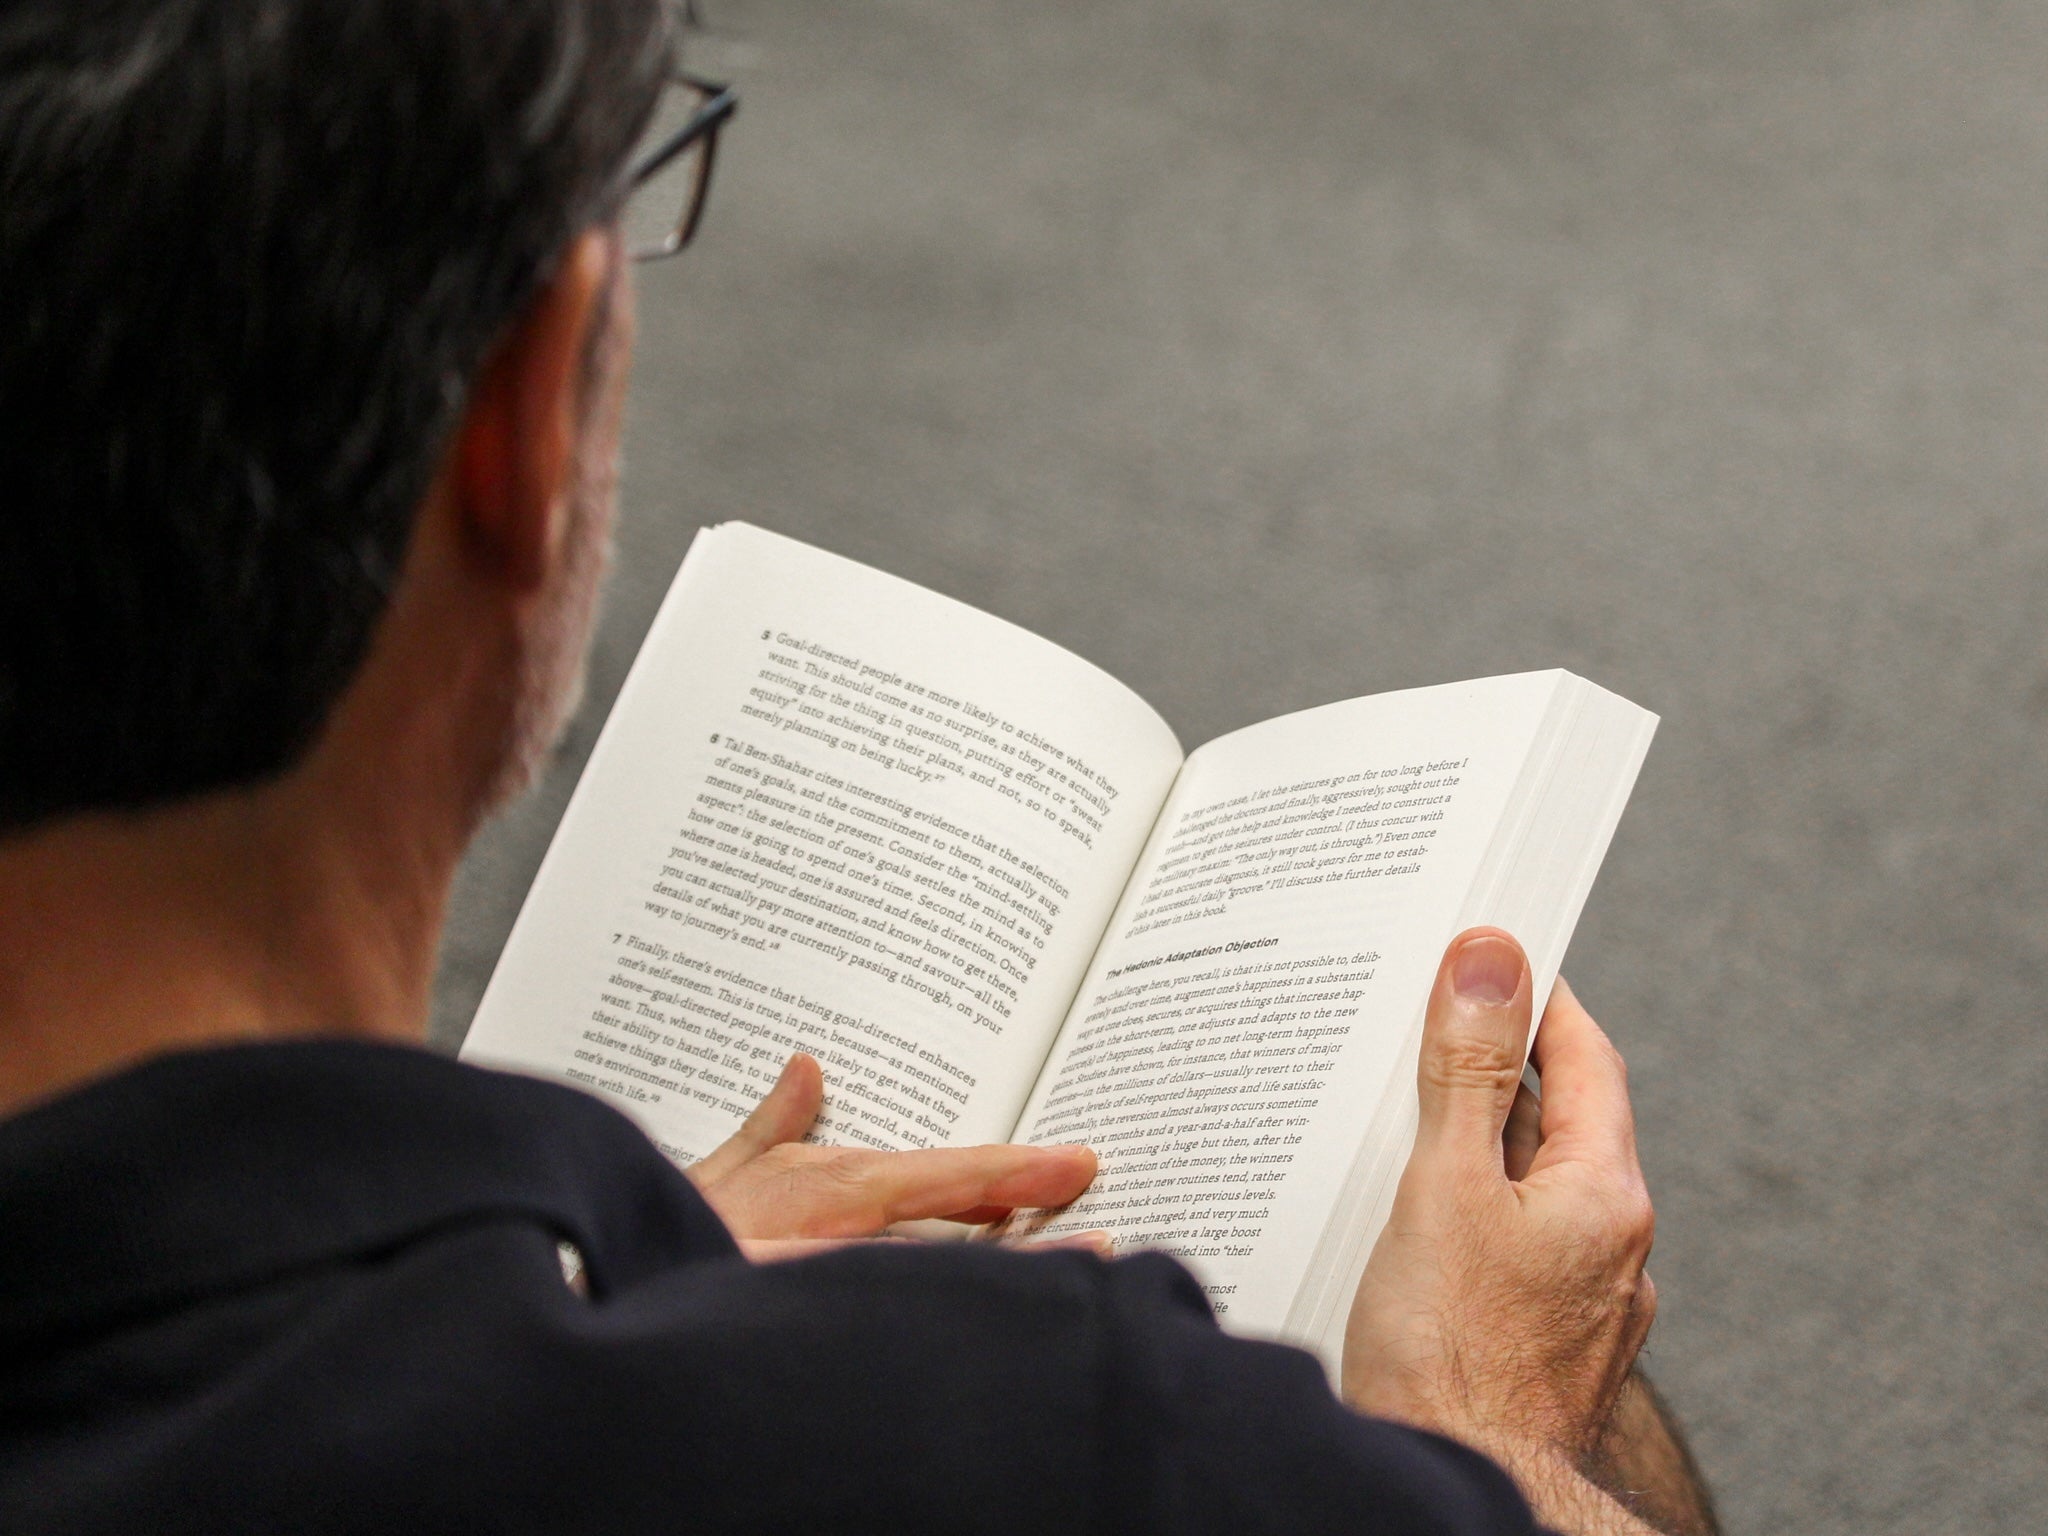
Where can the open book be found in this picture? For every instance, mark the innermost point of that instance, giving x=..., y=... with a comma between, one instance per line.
x=979, y=880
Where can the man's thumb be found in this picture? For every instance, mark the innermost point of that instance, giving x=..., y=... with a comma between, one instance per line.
x=1474, y=1038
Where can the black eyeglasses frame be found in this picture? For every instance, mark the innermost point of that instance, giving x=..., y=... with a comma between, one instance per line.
x=704, y=124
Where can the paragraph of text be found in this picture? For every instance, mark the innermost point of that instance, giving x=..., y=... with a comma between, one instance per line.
x=670, y=1023
x=1193, y=1087
x=1360, y=826
x=846, y=705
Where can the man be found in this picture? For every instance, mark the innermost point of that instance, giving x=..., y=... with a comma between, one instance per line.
x=310, y=395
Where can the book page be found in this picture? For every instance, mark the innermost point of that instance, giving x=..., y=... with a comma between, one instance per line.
x=1243, y=1019
x=834, y=812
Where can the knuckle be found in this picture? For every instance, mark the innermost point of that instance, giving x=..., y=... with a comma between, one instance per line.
x=1631, y=1219
x=1613, y=1214
x=1468, y=1064
x=850, y=1171
x=1641, y=1210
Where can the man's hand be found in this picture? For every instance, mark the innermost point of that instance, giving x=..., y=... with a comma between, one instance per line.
x=1506, y=1299
x=783, y=1198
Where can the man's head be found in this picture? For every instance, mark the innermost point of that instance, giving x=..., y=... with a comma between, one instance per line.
x=281, y=274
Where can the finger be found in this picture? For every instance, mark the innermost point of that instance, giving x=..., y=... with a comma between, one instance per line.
x=1644, y=1306
x=1473, y=1038
x=1008, y=1232
x=944, y=1181
x=775, y=1250
x=987, y=1215
x=1099, y=1243
x=980, y=1216
x=1586, y=1112
x=785, y=1114
x=1523, y=1133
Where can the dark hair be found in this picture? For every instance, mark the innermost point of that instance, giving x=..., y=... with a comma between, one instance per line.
x=252, y=253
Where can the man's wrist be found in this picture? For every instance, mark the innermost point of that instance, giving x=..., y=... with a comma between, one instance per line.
x=1563, y=1498
x=1550, y=1478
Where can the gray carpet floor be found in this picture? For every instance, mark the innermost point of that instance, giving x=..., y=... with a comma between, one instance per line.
x=1272, y=353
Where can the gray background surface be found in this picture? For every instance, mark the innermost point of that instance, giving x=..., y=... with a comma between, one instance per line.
x=1272, y=353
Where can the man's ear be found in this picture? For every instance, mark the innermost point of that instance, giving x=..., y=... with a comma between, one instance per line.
x=515, y=453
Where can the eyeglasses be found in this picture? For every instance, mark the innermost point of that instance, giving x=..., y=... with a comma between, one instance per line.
x=671, y=174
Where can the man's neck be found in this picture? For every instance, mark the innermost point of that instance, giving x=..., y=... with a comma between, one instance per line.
x=294, y=909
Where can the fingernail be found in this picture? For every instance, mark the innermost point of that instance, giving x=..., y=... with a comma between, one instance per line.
x=1488, y=970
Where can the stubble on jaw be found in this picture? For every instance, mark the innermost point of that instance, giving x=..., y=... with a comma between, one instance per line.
x=550, y=671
